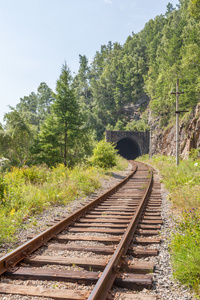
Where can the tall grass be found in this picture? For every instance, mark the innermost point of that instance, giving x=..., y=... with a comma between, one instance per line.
x=183, y=184
x=29, y=191
x=26, y=192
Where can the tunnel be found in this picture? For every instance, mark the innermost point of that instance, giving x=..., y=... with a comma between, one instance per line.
x=128, y=148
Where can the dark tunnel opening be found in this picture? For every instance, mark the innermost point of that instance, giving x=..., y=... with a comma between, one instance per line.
x=128, y=148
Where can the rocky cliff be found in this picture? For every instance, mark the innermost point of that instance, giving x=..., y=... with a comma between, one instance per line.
x=164, y=141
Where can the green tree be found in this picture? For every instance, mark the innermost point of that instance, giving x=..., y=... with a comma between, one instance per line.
x=170, y=9
x=173, y=53
x=47, y=147
x=81, y=81
x=194, y=8
x=44, y=101
x=28, y=106
x=36, y=106
x=82, y=88
x=16, y=138
x=67, y=112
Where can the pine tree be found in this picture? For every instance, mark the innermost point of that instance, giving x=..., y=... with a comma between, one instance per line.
x=45, y=99
x=194, y=8
x=46, y=148
x=67, y=111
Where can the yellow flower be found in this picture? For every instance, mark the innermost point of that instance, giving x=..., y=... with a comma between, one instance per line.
x=12, y=212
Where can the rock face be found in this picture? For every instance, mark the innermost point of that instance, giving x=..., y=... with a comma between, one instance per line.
x=133, y=111
x=164, y=142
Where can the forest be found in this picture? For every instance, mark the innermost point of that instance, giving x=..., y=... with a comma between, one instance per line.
x=63, y=126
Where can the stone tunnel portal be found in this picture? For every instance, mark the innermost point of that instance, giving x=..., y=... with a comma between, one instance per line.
x=128, y=148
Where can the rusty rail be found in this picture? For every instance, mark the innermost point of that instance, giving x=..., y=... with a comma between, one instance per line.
x=105, y=282
x=134, y=209
x=11, y=259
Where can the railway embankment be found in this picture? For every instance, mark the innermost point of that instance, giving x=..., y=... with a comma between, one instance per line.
x=29, y=194
x=163, y=287
x=181, y=188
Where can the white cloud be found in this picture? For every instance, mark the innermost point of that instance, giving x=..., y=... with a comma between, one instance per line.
x=108, y=1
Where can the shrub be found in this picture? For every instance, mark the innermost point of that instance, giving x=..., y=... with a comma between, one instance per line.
x=104, y=155
x=34, y=174
x=194, y=153
x=2, y=189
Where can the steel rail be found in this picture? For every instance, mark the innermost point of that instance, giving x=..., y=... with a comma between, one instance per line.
x=105, y=282
x=11, y=259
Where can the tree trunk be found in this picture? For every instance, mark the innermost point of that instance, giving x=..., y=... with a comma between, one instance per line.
x=65, y=150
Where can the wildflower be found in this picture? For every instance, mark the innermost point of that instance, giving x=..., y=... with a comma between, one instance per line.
x=196, y=164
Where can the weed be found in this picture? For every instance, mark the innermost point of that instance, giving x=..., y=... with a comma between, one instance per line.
x=185, y=247
x=26, y=192
x=143, y=187
x=183, y=183
x=194, y=153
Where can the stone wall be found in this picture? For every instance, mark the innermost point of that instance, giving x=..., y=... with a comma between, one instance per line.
x=141, y=138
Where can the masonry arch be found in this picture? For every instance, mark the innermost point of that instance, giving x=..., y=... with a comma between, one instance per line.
x=128, y=148
x=136, y=142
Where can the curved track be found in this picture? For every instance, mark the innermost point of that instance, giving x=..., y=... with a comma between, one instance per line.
x=116, y=225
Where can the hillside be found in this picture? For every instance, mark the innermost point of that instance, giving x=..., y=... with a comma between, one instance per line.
x=143, y=72
x=125, y=87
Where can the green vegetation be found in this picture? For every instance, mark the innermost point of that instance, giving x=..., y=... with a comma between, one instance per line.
x=120, y=82
x=194, y=8
x=60, y=130
x=104, y=155
x=185, y=247
x=47, y=127
x=28, y=191
x=183, y=183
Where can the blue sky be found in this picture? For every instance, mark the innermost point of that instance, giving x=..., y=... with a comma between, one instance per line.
x=38, y=36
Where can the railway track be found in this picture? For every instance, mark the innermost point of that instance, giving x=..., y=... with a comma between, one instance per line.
x=94, y=250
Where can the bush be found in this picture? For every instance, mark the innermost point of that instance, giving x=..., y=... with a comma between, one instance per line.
x=2, y=189
x=194, y=153
x=104, y=155
x=35, y=174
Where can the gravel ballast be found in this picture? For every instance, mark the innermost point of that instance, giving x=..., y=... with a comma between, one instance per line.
x=164, y=286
